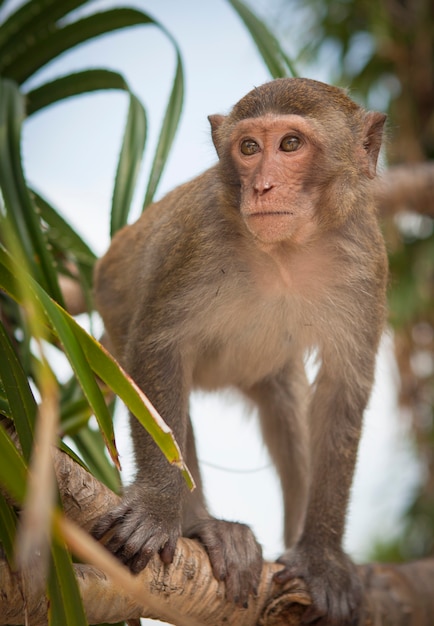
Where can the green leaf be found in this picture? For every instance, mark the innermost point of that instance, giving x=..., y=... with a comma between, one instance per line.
x=134, y=136
x=71, y=85
x=68, y=247
x=67, y=450
x=61, y=232
x=4, y=406
x=278, y=63
x=65, y=331
x=101, y=362
x=65, y=606
x=10, y=277
x=37, y=53
x=168, y=130
x=74, y=415
x=32, y=20
x=91, y=448
x=129, y=164
x=20, y=398
x=8, y=523
x=108, y=370
x=21, y=225
x=13, y=471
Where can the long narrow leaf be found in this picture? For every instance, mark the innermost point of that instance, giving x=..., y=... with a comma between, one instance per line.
x=168, y=130
x=101, y=363
x=36, y=54
x=11, y=276
x=91, y=448
x=5, y=409
x=13, y=471
x=8, y=523
x=11, y=106
x=22, y=404
x=73, y=85
x=83, y=371
x=33, y=535
x=108, y=370
x=134, y=136
x=29, y=21
x=66, y=606
x=21, y=220
x=129, y=164
x=63, y=233
x=277, y=62
x=74, y=256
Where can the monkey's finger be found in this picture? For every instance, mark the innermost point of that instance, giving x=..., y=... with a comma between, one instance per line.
x=128, y=544
x=147, y=551
x=101, y=528
x=126, y=547
x=109, y=522
x=141, y=559
x=237, y=591
x=137, y=550
x=313, y=615
x=283, y=575
x=122, y=542
x=217, y=560
x=241, y=584
x=167, y=552
x=329, y=609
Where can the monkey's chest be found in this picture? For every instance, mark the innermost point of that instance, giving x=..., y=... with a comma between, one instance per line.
x=245, y=347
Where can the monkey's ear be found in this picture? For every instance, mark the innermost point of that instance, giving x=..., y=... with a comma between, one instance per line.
x=216, y=121
x=372, y=136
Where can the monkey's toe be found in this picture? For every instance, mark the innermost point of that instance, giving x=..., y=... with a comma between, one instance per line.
x=135, y=538
x=333, y=584
x=235, y=556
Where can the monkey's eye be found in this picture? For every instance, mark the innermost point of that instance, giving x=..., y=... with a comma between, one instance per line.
x=249, y=146
x=290, y=144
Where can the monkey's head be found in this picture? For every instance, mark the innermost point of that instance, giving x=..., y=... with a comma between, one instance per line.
x=287, y=146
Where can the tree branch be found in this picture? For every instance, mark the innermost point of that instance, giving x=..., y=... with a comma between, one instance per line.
x=406, y=188
x=186, y=593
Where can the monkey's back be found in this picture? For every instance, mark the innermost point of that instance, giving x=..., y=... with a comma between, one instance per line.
x=146, y=257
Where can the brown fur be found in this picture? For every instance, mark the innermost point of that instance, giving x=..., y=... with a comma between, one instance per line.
x=214, y=287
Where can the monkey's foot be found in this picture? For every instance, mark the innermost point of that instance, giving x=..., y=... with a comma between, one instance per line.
x=333, y=584
x=235, y=556
x=134, y=536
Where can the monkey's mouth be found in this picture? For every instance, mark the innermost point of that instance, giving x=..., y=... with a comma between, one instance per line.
x=272, y=226
x=270, y=213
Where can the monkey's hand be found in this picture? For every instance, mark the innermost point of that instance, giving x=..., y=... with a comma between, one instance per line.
x=333, y=584
x=140, y=527
x=235, y=556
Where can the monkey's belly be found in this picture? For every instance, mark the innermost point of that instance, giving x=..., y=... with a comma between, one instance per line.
x=241, y=364
x=243, y=339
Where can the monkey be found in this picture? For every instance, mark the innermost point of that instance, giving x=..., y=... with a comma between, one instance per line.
x=231, y=280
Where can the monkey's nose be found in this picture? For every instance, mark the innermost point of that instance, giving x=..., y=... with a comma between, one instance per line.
x=262, y=187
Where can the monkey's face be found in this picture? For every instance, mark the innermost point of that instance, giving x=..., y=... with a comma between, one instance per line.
x=274, y=156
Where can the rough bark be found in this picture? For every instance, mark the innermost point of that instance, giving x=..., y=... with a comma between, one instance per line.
x=186, y=593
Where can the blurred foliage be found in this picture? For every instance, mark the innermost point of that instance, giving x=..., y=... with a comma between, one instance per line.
x=41, y=391
x=384, y=52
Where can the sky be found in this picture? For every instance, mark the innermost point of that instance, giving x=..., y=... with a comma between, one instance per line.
x=70, y=153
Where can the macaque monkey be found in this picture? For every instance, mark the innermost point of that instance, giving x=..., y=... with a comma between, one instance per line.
x=231, y=280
